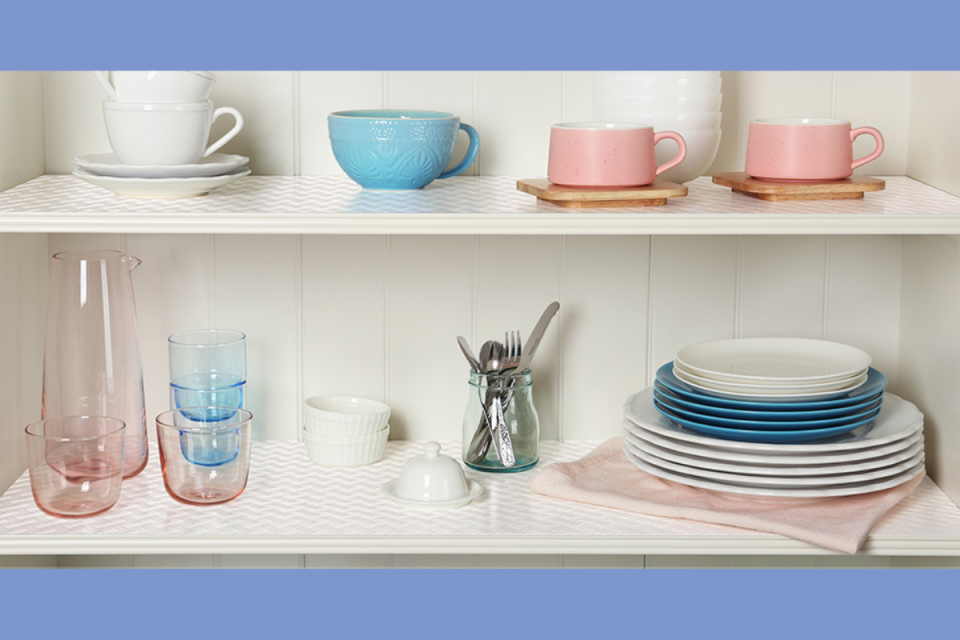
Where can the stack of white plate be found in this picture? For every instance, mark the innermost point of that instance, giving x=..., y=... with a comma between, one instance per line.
x=160, y=181
x=687, y=102
x=783, y=417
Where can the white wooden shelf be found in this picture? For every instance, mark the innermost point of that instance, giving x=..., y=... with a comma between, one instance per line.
x=462, y=205
x=292, y=506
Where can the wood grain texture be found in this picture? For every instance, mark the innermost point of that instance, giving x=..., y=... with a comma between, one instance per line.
x=655, y=194
x=849, y=189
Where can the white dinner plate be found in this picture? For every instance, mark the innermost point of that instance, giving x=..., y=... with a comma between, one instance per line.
x=775, y=492
x=787, y=359
x=769, y=385
x=639, y=441
x=701, y=452
x=161, y=187
x=898, y=419
x=106, y=164
x=793, y=482
x=731, y=390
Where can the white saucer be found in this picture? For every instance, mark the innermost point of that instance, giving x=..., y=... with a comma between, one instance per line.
x=390, y=490
x=106, y=164
x=161, y=187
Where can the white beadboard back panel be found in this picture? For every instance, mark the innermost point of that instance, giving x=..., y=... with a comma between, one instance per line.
x=266, y=99
x=929, y=373
x=257, y=291
x=21, y=127
x=693, y=294
x=514, y=281
x=935, y=129
x=286, y=111
x=781, y=283
x=344, y=316
x=377, y=316
x=605, y=284
x=862, y=297
x=23, y=303
x=429, y=302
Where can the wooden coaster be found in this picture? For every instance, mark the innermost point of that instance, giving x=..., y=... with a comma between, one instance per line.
x=655, y=194
x=848, y=189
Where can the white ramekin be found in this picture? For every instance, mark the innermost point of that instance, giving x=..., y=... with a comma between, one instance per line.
x=344, y=416
x=337, y=451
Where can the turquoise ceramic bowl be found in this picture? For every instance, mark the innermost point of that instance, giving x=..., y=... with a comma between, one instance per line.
x=397, y=150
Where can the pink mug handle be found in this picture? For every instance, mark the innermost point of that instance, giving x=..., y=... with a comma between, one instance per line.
x=683, y=149
x=856, y=133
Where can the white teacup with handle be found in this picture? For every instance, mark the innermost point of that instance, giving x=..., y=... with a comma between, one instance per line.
x=164, y=134
x=154, y=87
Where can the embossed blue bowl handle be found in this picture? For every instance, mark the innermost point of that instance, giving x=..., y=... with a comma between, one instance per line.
x=470, y=155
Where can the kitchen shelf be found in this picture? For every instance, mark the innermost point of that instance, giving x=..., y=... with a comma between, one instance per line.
x=462, y=205
x=292, y=506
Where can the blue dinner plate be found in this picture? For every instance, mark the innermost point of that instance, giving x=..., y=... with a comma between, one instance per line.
x=743, y=414
x=751, y=435
x=869, y=412
x=876, y=382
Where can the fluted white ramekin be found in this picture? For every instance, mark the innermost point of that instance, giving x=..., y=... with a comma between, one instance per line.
x=338, y=451
x=344, y=416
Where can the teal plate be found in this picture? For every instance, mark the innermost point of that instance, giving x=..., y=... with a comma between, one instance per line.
x=871, y=410
x=769, y=437
x=876, y=382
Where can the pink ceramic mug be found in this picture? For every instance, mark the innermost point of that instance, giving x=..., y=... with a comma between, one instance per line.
x=607, y=154
x=805, y=149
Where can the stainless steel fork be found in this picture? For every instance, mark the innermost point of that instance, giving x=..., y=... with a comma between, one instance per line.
x=493, y=410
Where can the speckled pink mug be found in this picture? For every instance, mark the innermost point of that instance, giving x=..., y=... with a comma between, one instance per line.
x=607, y=154
x=805, y=149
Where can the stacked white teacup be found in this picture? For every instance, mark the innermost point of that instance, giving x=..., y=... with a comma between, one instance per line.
x=687, y=102
x=158, y=124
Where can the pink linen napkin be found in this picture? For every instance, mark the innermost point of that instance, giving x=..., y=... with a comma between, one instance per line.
x=605, y=477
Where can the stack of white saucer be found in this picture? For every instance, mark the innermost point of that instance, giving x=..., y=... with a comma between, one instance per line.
x=687, y=102
x=158, y=123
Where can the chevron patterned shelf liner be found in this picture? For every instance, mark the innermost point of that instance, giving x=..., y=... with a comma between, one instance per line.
x=281, y=204
x=287, y=495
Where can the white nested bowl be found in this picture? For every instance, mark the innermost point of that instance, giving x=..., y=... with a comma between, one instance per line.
x=344, y=415
x=337, y=451
x=617, y=104
x=656, y=87
x=702, y=147
x=698, y=121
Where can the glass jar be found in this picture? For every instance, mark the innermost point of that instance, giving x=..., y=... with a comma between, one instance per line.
x=514, y=394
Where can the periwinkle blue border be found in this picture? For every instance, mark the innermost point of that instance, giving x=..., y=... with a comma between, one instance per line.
x=481, y=35
x=583, y=604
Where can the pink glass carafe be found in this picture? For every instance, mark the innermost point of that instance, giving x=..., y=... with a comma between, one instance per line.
x=91, y=360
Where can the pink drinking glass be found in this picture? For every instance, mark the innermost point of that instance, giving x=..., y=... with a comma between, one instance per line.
x=76, y=464
x=205, y=460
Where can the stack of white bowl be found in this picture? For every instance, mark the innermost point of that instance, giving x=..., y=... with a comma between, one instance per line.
x=342, y=431
x=687, y=102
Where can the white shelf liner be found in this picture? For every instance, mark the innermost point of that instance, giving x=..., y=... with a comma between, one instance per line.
x=283, y=204
x=287, y=496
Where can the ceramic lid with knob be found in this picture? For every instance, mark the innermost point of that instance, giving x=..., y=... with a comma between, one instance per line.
x=432, y=481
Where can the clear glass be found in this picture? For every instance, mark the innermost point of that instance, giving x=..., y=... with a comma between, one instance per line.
x=519, y=416
x=76, y=464
x=91, y=359
x=208, y=367
x=204, y=461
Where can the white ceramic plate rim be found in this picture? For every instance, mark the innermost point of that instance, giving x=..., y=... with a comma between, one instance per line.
x=895, y=481
x=820, y=482
x=724, y=356
x=763, y=391
x=389, y=490
x=828, y=457
x=160, y=187
x=897, y=420
x=770, y=383
x=107, y=165
x=818, y=469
